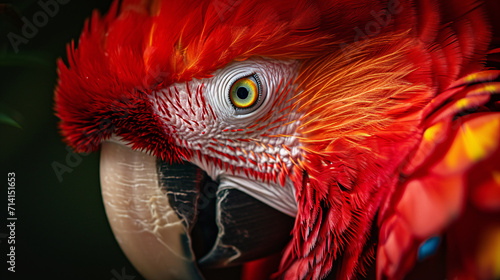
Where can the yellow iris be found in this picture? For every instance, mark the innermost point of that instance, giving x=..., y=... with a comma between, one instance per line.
x=244, y=93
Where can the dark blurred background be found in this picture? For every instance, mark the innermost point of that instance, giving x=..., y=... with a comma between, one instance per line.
x=61, y=228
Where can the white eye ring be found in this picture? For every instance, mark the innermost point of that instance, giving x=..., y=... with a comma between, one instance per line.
x=260, y=72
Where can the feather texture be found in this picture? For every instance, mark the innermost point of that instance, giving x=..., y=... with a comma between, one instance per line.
x=383, y=88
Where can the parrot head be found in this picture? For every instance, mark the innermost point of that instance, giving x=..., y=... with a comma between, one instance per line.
x=246, y=125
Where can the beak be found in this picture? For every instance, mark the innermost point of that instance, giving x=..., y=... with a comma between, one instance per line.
x=171, y=219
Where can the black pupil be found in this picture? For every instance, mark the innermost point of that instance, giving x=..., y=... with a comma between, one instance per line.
x=242, y=93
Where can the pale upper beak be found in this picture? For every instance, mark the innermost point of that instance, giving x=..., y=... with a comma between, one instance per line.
x=169, y=219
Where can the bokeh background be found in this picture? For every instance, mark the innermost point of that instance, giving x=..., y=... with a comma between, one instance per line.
x=61, y=228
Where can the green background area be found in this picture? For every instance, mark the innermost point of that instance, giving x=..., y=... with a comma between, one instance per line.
x=62, y=231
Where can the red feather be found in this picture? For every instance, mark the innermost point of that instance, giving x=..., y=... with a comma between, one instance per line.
x=383, y=88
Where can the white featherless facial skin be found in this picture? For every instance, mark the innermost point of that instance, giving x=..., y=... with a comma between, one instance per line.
x=234, y=145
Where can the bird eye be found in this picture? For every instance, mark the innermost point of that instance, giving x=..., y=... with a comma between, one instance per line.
x=245, y=92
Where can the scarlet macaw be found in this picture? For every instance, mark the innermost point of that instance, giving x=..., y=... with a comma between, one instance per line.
x=374, y=125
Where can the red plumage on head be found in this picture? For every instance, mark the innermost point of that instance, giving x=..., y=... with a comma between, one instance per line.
x=140, y=46
x=372, y=79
